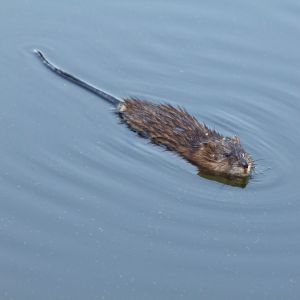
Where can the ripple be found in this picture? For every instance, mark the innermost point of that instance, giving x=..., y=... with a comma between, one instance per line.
x=83, y=197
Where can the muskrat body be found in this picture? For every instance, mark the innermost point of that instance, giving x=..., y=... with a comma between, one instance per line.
x=177, y=130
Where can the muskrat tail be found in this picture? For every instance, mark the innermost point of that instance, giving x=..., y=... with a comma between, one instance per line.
x=87, y=86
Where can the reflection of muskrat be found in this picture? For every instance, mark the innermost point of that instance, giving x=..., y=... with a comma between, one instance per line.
x=177, y=130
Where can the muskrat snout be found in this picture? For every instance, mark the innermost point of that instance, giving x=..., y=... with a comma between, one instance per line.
x=240, y=164
x=245, y=165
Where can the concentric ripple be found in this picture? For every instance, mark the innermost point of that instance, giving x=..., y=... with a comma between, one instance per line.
x=89, y=210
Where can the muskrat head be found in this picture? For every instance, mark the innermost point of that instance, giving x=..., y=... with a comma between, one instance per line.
x=225, y=156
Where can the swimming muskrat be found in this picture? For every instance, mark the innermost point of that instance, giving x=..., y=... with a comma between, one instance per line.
x=177, y=130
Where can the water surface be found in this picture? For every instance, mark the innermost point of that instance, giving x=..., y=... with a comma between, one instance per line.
x=91, y=211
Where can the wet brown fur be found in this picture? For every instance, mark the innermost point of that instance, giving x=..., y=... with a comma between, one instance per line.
x=176, y=129
x=166, y=125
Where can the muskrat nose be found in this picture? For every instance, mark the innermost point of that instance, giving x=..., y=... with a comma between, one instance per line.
x=245, y=165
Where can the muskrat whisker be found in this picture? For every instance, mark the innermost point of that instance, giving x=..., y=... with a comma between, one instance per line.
x=259, y=172
x=259, y=159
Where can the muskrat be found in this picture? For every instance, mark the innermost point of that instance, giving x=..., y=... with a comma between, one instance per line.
x=175, y=129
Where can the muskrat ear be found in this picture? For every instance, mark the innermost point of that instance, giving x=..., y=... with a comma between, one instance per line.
x=236, y=139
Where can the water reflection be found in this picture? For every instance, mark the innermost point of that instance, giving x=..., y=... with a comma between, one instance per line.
x=83, y=200
x=232, y=181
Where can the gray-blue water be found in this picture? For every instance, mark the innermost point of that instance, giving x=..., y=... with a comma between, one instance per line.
x=88, y=210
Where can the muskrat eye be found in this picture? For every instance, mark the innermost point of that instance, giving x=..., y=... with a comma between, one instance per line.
x=228, y=154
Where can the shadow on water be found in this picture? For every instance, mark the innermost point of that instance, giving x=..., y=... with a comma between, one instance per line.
x=240, y=182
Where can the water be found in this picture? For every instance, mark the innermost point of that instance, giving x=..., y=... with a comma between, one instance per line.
x=91, y=211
